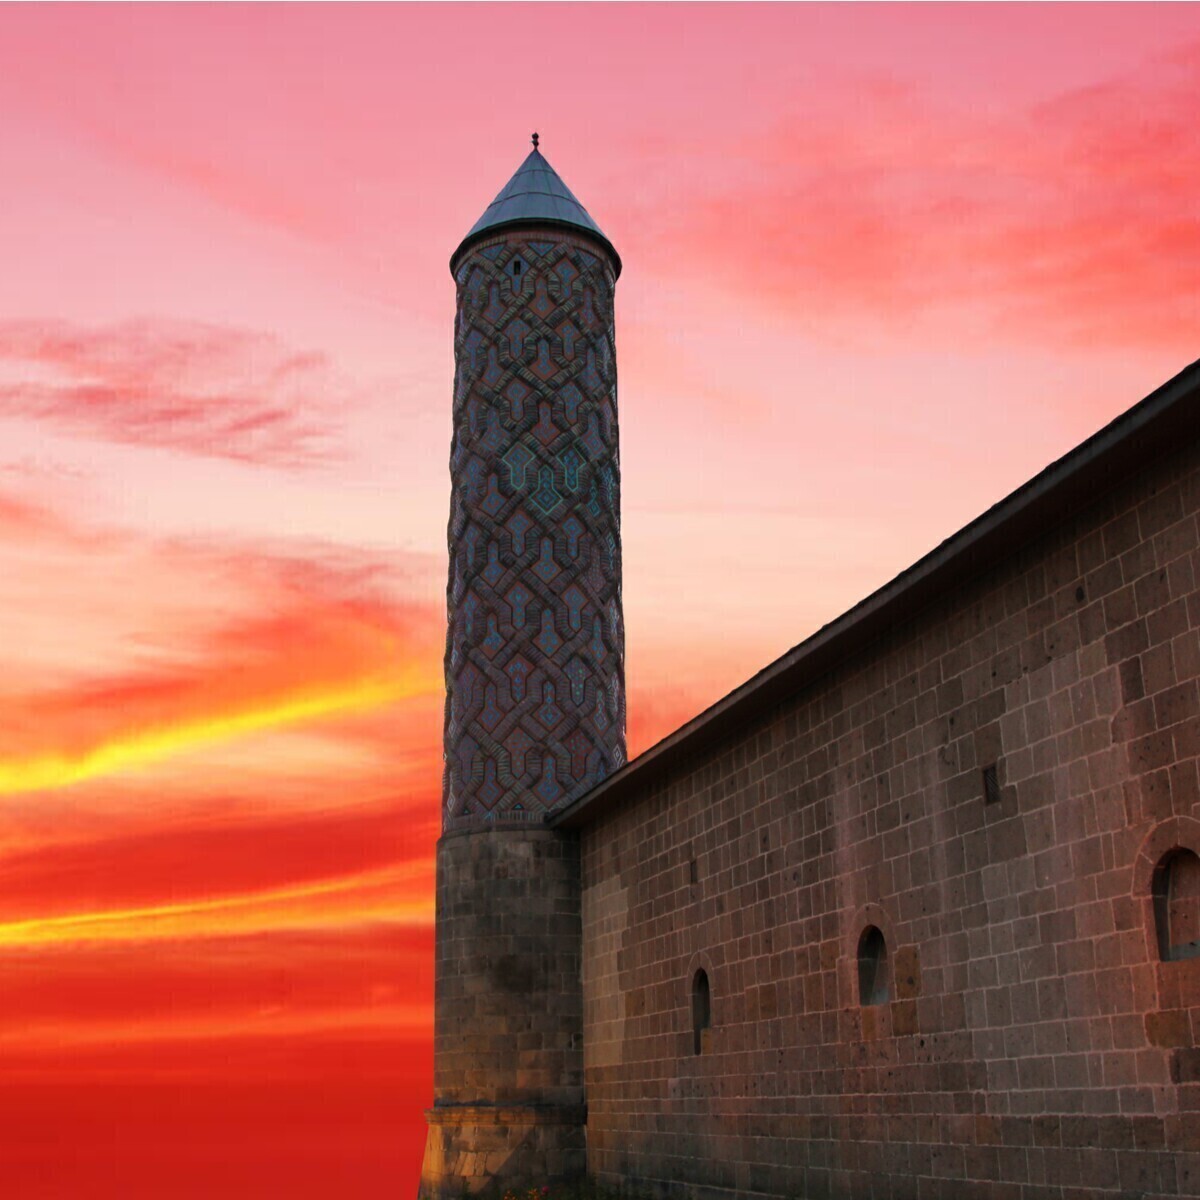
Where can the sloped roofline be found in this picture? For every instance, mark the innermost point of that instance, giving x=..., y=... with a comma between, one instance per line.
x=535, y=197
x=1168, y=417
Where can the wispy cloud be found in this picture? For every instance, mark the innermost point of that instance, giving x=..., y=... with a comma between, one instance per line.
x=144, y=746
x=327, y=902
x=1074, y=220
x=219, y=644
x=199, y=389
x=244, y=983
x=21, y=519
x=213, y=858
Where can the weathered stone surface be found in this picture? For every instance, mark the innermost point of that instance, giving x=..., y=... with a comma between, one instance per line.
x=477, y=1146
x=508, y=1011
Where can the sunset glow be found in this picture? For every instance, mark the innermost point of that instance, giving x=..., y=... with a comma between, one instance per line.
x=881, y=265
x=147, y=746
x=303, y=906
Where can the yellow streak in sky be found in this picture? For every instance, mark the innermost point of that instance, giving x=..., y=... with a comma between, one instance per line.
x=371, y=895
x=389, y=1019
x=151, y=745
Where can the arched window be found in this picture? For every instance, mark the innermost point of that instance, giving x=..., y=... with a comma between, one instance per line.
x=872, y=967
x=701, y=1011
x=1177, y=905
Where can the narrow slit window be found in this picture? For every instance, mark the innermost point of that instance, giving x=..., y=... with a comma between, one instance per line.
x=872, y=967
x=991, y=785
x=701, y=1012
x=1177, y=905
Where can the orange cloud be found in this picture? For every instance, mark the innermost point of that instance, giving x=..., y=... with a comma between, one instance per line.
x=294, y=642
x=143, y=746
x=261, y=983
x=372, y=895
x=217, y=854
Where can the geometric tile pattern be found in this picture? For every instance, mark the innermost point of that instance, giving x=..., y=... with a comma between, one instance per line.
x=535, y=650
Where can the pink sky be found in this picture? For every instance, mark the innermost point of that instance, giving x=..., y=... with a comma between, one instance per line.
x=882, y=264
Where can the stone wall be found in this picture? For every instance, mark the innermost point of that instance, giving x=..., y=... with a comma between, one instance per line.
x=508, y=1058
x=1032, y=1043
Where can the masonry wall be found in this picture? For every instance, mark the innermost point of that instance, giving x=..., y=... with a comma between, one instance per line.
x=508, y=1063
x=1033, y=1044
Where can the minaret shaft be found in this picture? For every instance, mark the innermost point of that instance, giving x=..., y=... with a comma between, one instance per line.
x=535, y=700
x=535, y=687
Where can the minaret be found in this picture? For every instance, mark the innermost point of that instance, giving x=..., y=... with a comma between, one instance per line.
x=535, y=686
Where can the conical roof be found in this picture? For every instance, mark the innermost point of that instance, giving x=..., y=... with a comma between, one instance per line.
x=535, y=195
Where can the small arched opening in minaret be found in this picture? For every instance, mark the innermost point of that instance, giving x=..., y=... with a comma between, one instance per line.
x=701, y=1012
x=872, y=967
x=1176, y=890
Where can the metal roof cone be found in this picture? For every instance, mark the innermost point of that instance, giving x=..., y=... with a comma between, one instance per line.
x=535, y=195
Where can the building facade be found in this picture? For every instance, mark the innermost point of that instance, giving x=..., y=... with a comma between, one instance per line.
x=915, y=912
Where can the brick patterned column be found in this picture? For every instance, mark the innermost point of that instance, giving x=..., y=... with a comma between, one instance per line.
x=535, y=686
x=535, y=677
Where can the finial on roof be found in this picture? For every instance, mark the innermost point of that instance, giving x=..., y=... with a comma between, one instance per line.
x=535, y=195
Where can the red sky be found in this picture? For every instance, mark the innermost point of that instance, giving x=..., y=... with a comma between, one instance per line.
x=882, y=264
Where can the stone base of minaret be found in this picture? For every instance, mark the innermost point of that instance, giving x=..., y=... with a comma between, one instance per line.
x=508, y=1013
x=477, y=1146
